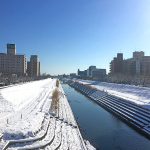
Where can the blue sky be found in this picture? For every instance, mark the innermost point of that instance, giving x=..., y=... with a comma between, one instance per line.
x=72, y=34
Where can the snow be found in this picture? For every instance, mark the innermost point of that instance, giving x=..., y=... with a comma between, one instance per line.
x=22, y=94
x=26, y=122
x=89, y=146
x=135, y=94
x=26, y=102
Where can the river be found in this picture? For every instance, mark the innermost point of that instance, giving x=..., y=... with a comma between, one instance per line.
x=104, y=130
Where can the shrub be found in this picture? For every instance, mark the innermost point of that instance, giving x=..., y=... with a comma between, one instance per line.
x=55, y=100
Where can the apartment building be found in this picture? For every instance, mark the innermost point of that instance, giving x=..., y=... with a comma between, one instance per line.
x=139, y=64
x=12, y=63
x=33, y=66
x=116, y=65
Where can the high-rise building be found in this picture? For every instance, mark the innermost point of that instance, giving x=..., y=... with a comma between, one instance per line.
x=11, y=63
x=34, y=66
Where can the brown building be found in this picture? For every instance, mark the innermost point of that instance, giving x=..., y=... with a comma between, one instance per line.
x=116, y=65
x=12, y=63
x=139, y=64
x=33, y=66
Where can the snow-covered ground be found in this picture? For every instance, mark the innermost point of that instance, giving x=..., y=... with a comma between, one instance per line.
x=135, y=94
x=21, y=108
x=25, y=118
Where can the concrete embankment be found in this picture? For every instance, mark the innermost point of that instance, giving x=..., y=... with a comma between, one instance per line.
x=135, y=115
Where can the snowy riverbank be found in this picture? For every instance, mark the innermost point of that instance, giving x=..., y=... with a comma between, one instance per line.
x=133, y=114
x=135, y=94
x=26, y=121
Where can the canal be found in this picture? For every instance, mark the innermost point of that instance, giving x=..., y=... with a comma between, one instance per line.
x=100, y=127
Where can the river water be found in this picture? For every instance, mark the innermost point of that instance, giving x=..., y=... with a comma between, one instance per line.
x=104, y=130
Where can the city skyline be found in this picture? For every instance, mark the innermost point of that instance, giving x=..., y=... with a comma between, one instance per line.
x=75, y=34
x=12, y=63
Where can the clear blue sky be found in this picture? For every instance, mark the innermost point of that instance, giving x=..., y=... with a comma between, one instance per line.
x=72, y=34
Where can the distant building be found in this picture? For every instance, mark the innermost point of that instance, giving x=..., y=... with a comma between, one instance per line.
x=33, y=66
x=139, y=64
x=88, y=73
x=11, y=49
x=12, y=63
x=116, y=65
x=145, y=65
x=82, y=74
x=28, y=68
x=73, y=75
x=129, y=67
x=91, y=68
x=99, y=74
x=138, y=55
x=93, y=73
